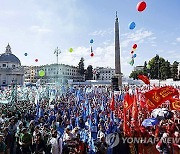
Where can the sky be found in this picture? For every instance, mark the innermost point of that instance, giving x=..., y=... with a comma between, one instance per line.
x=37, y=27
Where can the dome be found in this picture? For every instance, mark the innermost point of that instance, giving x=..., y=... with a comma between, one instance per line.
x=9, y=58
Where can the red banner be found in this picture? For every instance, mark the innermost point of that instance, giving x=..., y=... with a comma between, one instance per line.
x=175, y=104
x=156, y=97
x=128, y=101
x=134, y=109
x=126, y=128
x=144, y=78
x=112, y=104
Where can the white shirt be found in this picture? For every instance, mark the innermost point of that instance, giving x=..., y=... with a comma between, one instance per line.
x=56, y=148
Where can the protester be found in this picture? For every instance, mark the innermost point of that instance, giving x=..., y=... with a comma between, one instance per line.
x=79, y=119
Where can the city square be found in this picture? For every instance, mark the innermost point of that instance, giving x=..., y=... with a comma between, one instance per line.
x=89, y=77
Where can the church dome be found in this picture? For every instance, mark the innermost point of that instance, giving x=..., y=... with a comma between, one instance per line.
x=9, y=57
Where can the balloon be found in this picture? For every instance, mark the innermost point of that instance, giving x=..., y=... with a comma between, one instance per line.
x=91, y=41
x=92, y=54
x=132, y=52
x=36, y=60
x=134, y=46
x=41, y=73
x=131, y=62
x=71, y=50
x=141, y=6
x=25, y=54
x=134, y=56
x=132, y=25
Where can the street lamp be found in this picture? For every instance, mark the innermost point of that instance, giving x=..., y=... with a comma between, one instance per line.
x=57, y=52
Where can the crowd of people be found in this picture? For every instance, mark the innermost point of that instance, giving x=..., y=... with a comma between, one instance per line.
x=78, y=121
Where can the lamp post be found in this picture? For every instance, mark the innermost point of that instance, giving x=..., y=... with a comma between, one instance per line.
x=57, y=52
x=14, y=91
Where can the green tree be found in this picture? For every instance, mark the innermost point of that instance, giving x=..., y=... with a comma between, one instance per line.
x=174, y=70
x=165, y=70
x=145, y=70
x=134, y=74
x=156, y=64
x=81, y=66
x=89, y=73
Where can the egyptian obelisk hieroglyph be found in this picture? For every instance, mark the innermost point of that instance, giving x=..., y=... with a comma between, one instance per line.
x=118, y=73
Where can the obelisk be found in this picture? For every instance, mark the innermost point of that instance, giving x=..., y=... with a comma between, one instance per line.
x=118, y=73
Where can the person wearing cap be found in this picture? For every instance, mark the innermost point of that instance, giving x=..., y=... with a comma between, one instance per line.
x=2, y=145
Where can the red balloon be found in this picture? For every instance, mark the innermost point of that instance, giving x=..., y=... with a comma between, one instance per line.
x=132, y=52
x=141, y=6
x=36, y=60
x=134, y=46
x=92, y=54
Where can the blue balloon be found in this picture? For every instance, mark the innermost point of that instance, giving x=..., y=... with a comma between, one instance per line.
x=132, y=25
x=25, y=54
x=91, y=41
x=134, y=56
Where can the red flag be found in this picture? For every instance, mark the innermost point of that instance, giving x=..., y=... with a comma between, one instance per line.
x=175, y=104
x=126, y=128
x=112, y=104
x=142, y=100
x=144, y=78
x=134, y=109
x=156, y=97
x=128, y=101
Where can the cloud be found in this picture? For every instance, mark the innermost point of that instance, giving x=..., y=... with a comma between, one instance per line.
x=40, y=29
x=102, y=32
x=152, y=38
x=136, y=37
x=5, y=13
x=103, y=57
x=178, y=39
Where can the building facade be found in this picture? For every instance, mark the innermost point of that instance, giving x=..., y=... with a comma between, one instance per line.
x=10, y=69
x=101, y=73
x=54, y=74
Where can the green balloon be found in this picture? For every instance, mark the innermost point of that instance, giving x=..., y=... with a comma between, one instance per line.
x=71, y=50
x=41, y=73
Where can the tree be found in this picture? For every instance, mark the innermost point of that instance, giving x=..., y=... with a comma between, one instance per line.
x=165, y=70
x=145, y=70
x=156, y=64
x=89, y=73
x=174, y=70
x=134, y=74
x=81, y=66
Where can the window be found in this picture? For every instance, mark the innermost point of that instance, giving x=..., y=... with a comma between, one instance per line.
x=13, y=66
x=4, y=65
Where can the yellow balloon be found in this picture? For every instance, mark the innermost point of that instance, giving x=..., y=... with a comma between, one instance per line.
x=71, y=50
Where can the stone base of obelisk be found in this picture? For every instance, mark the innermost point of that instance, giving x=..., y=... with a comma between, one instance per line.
x=116, y=82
